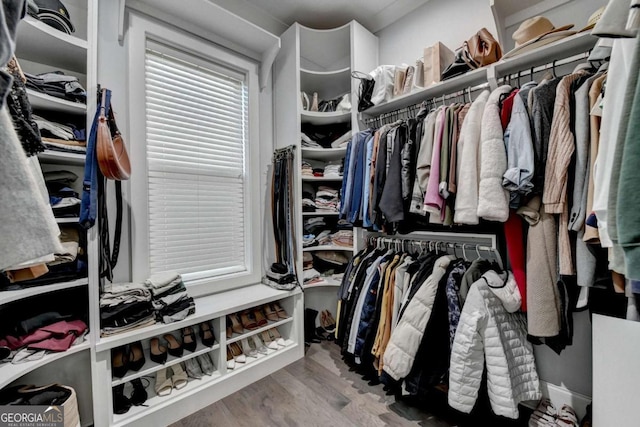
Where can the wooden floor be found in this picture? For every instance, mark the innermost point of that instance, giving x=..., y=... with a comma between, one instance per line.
x=318, y=390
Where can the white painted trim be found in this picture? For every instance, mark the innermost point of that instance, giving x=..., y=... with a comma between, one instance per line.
x=140, y=30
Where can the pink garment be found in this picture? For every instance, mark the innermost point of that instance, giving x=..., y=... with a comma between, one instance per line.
x=55, y=337
x=433, y=201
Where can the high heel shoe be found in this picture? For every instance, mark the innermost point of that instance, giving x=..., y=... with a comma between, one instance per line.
x=179, y=377
x=139, y=394
x=259, y=345
x=206, y=334
x=277, y=338
x=119, y=362
x=246, y=348
x=260, y=319
x=236, y=326
x=266, y=338
x=206, y=364
x=270, y=312
x=157, y=352
x=280, y=311
x=173, y=345
x=231, y=363
x=248, y=320
x=164, y=384
x=237, y=353
x=189, y=339
x=121, y=404
x=229, y=328
x=136, y=356
x=193, y=368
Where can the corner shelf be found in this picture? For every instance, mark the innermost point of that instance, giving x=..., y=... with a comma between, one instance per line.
x=328, y=248
x=268, y=326
x=42, y=101
x=37, y=41
x=7, y=297
x=150, y=366
x=62, y=158
x=319, y=118
x=10, y=372
x=327, y=282
x=323, y=153
x=328, y=84
x=320, y=213
x=321, y=179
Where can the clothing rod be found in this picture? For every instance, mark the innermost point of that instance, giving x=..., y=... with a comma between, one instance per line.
x=402, y=242
x=488, y=240
x=550, y=65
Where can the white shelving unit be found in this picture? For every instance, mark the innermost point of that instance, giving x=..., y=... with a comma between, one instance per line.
x=39, y=48
x=319, y=61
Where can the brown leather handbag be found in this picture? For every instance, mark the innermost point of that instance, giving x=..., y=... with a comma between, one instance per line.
x=113, y=158
x=482, y=49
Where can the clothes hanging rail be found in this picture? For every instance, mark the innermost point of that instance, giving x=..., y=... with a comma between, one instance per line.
x=550, y=66
x=463, y=95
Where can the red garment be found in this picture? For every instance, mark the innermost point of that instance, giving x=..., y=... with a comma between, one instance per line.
x=505, y=109
x=514, y=236
x=55, y=337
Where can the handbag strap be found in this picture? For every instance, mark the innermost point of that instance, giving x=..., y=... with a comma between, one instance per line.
x=360, y=75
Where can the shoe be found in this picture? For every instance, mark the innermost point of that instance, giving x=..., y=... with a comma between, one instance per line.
x=237, y=353
x=179, y=377
x=206, y=334
x=277, y=338
x=246, y=348
x=206, y=364
x=173, y=345
x=231, y=363
x=193, y=368
x=327, y=322
x=189, y=339
x=121, y=404
x=567, y=417
x=280, y=311
x=229, y=328
x=270, y=312
x=258, y=344
x=119, y=362
x=136, y=356
x=236, y=326
x=314, y=103
x=164, y=384
x=268, y=341
x=139, y=394
x=259, y=316
x=157, y=352
x=248, y=320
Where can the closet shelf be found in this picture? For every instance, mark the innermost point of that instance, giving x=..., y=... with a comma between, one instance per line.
x=42, y=101
x=327, y=282
x=38, y=42
x=11, y=296
x=62, y=158
x=325, y=49
x=270, y=325
x=328, y=248
x=206, y=384
x=324, y=153
x=319, y=118
x=320, y=213
x=321, y=179
x=328, y=84
x=71, y=220
x=207, y=308
x=10, y=372
x=150, y=366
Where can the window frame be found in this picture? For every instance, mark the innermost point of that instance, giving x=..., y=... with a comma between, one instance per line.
x=140, y=31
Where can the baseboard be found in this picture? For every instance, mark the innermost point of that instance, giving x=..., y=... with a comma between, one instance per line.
x=561, y=395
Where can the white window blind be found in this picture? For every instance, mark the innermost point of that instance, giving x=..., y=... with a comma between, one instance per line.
x=197, y=132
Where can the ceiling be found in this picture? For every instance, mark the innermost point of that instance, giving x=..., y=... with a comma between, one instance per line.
x=277, y=15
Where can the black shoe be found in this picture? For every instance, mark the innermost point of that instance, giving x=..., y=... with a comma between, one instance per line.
x=121, y=404
x=189, y=339
x=119, y=362
x=139, y=395
x=173, y=345
x=136, y=356
x=157, y=352
x=206, y=334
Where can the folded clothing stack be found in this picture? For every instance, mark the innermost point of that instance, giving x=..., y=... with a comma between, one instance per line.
x=125, y=307
x=308, y=198
x=32, y=338
x=323, y=265
x=335, y=135
x=342, y=238
x=59, y=137
x=58, y=85
x=327, y=199
x=170, y=298
x=64, y=201
x=333, y=169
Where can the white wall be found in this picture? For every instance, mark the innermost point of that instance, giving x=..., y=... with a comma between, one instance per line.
x=450, y=22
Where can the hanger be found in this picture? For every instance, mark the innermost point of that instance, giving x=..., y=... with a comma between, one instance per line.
x=531, y=74
x=478, y=251
x=553, y=69
x=464, y=253
x=519, y=78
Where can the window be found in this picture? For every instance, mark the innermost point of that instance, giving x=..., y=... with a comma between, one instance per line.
x=199, y=193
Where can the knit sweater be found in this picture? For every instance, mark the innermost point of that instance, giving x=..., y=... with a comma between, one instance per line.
x=493, y=199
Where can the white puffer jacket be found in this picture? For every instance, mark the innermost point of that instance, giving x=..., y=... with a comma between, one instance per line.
x=488, y=330
x=405, y=339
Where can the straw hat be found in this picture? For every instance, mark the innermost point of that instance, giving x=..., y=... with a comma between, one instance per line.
x=593, y=19
x=535, y=32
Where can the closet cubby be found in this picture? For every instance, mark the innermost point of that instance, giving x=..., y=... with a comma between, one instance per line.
x=325, y=50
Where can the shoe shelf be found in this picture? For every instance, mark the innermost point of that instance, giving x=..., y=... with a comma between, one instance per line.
x=251, y=360
x=328, y=248
x=248, y=333
x=320, y=118
x=7, y=297
x=42, y=101
x=150, y=366
x=62, y=158
x=207, y=308
x=10, y=372
x=37, y=41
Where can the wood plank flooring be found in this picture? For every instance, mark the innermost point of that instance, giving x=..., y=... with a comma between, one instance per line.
x=318, y=390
